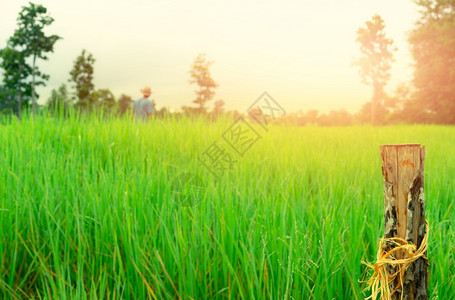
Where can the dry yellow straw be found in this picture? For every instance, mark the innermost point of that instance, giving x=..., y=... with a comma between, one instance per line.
x=380, y=280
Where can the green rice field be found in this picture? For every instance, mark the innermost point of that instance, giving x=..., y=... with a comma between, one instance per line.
x=101, y=208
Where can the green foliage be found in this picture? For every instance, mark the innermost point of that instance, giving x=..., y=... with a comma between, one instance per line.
x=16, y=91
x=433, y=49
x=200, y=75
x=103, y=99
x=377, y=55
x=124, y=104
x=87, y=211
x=29, y=38
x=7, y=101
x=59, y=100
x=82, y=78
x=193, y=111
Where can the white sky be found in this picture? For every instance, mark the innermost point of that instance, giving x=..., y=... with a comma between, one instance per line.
x=299, y=51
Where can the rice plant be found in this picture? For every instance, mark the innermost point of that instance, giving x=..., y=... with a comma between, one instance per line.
x=88, y=210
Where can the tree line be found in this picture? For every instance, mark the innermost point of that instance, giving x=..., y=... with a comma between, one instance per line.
x=21, y=76
x=428, y=98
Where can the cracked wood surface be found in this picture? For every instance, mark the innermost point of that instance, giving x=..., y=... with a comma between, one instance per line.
x=404, y=210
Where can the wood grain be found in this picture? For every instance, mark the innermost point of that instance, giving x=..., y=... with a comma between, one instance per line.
x=404, y=211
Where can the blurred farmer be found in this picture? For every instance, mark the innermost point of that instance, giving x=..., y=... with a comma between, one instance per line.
x=143, y=107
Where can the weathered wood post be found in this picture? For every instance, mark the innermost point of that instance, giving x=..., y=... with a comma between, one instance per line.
x=404, y=214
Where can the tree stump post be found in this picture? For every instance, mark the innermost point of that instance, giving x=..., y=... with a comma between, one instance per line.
x=404, y=215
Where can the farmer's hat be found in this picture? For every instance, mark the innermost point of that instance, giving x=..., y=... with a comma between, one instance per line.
x=146, y=91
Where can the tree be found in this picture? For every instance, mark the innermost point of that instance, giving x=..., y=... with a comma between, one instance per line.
x=219, y=107
x=33, y=42
x=82, y=78
x=335, y=118
x=364, y=115
x=433, y=49
x=311, y=117
x=163, y=112
x=190, y=111
x=59, y=99
x=124, y=103
x=16, y=92
x=200, y=75
x=374, y=63
x=7, y=102
x=103, y=99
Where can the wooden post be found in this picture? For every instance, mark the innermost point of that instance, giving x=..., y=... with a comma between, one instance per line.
x=404, y=215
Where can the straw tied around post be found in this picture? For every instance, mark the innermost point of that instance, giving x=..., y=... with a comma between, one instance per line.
x=221, y=157
x=401, y=268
